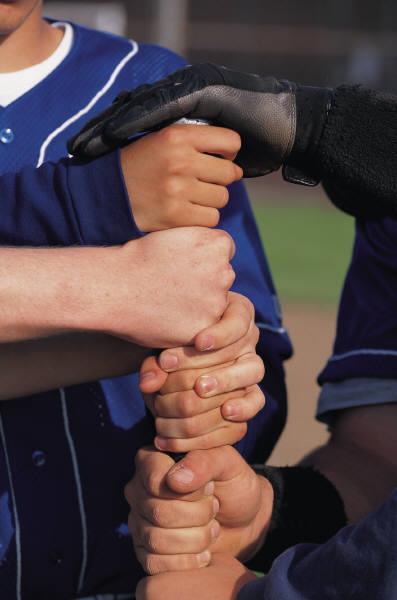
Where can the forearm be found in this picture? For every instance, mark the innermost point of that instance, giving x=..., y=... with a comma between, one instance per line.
x=40, y=365
x=341, y=482
x=361, y=451
x=46, y=292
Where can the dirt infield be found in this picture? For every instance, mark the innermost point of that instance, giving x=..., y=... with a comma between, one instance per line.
x=312, y=331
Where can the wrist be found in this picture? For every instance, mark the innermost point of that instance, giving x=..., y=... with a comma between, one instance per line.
x=259, y=527
x=85, y=291
x=106, y=293
x=312, y=108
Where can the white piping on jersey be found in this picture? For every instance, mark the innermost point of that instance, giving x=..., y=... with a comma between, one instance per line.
x=76, y=471
x=50, y=138
x=16, y=518
x=272, y=328
x=364, y=352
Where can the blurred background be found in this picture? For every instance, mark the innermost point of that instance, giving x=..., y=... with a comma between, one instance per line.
x=308, y=242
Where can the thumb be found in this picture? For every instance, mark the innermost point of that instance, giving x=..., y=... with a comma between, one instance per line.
x=151, y=376
x=200, y=467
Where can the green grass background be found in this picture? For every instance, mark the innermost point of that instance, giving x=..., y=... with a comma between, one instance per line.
x=309, y=247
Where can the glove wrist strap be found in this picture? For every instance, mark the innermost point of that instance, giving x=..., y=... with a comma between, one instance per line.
x=312, y=107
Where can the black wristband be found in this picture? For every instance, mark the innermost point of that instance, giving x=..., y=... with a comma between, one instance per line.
x=312, y=107
x=307, y=508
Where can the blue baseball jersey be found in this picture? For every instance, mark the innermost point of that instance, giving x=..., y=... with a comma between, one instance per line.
x=362, y=368
x=66, y=455
x=359, y=562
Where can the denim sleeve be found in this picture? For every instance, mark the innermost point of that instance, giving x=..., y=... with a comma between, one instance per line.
x=359, y=562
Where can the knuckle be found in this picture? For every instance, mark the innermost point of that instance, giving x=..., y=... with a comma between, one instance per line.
x=172, y=136
x=261, y=398
x=230, y=172
x=241, y=430
x=223, y=196
x=191, y=427
x=172, y=187
x=213, y=217
x=237, y=432
x=230, y=276
x=159, y=515
x=260, y=368
x=205, y=538
x=152, y=564
x=255, y=335
x=235, y=141
x=218, y=306
x=187, y=405
x=129, y=492
x=150, y=540
x=153, y=483
x=224, y=241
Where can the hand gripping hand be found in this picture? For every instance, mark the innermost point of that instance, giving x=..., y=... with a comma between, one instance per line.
x=276, y=119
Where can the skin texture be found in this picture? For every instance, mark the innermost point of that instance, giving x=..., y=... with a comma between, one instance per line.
x=362, y=449
x=173, y=523
x=45, y=364
x=222, y=580
x=184, y=185
x=41, y=291
x=189, y=415
x=25, y=39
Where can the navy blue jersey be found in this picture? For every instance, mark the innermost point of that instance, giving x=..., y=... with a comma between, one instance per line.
x=359, y=562
x=66, y=455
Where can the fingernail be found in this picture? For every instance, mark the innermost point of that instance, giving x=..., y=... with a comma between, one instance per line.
x=231, y=411
x=168, y=361
x=204, y=558
x=181, y=474
x=207, y=343
x=216, y=506
x=147, y=376
x=207, y=384
x=215, y=529
x=209, y=488
x=160, y=443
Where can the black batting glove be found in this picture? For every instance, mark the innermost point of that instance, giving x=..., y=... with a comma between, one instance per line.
x=280, y=123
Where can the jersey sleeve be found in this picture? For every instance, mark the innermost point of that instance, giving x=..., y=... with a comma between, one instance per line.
x=67, y=203
x=366, y=337
x=359, y=561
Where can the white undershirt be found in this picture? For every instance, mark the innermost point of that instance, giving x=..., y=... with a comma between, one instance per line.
x=15, y=84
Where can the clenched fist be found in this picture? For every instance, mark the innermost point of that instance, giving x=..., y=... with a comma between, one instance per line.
x=170, y=286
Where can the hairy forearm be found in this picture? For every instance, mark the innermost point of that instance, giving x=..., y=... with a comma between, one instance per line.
x=45, y=292
x=360, y=458
x=40, y=365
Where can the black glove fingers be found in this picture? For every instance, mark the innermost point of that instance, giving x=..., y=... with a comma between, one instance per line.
x=157, y=109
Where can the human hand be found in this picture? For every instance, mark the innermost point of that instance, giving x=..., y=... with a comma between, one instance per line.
x=173, y=179
x=222, y=580
x=190, y=412
x=160, y=291
x=174, y=507
x=277, y=120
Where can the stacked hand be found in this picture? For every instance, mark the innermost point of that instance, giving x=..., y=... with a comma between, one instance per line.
x=188, y=515
x=202, y=396
x=203, y=389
